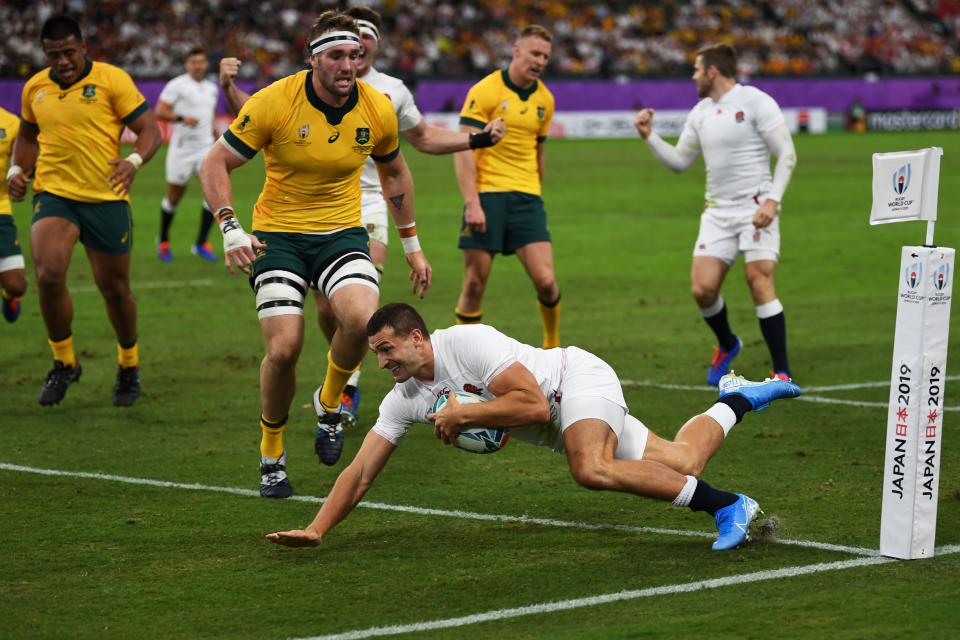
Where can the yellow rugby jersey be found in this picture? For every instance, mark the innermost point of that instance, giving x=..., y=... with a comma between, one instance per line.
x=510, y=165
x=80, y=126
x=313, y=152
x=9, y=125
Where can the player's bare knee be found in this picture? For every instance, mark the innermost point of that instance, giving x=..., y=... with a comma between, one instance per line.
x=591, y=474
x=283, y=354
x=704, y=296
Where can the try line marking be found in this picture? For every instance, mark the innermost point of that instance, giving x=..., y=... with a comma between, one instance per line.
x=806, y=390
x=620, y=596
x=423, y=511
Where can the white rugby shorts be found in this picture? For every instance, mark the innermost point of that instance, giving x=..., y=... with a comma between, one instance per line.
x=183, y=162
x=373, y=215
x=727, y=231
x=589, y=389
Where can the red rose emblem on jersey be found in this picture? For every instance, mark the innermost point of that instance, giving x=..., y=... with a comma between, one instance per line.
x=739, y=116
x=469, y=388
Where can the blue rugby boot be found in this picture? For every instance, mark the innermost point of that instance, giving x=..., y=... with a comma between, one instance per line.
x=758, y=394
x=720, y=364
x=204, y=251
x=273, y=477
x=733, y=522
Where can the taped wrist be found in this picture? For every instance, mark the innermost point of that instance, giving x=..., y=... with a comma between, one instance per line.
x=233, y=235
x=480, y=140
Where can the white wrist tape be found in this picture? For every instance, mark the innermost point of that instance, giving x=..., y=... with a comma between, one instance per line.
x=14, y=170
x=233, y=235
x=135, y=159
x=411, y=244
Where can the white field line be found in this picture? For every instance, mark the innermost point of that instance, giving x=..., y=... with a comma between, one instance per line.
x=592, y=601
x=464, y=515
x=806, y=390
x=162, y=284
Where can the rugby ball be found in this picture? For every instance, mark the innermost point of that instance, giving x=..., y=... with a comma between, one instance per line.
x=475, y=439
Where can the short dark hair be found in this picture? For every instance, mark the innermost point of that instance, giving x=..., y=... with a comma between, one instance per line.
x=721, y=56
x=333, y=21
x=196, y=50
x=536, y=31
x=60, y=28
x=365, y=13
x=400, y=317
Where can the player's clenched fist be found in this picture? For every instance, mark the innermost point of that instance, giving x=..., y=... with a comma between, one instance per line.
x=229, y=68
x=644, y=122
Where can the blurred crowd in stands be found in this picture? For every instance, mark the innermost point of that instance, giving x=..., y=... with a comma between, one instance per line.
x=450, y=38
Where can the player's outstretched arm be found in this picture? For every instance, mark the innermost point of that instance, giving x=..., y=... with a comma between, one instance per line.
x=350, y=487
x=397, y=186
x=24, y=160
x=435, y=140
x=236, y=97
x=148, y=141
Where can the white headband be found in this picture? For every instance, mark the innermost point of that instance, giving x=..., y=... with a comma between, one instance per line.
x=366, y=26
x=332, y=39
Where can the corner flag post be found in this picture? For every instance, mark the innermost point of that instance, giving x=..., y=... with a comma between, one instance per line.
x=905, y=187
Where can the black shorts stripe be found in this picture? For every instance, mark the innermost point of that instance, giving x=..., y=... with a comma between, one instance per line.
x=358, y=276
x=279, y=303
x=293, y=283
x=335, y=263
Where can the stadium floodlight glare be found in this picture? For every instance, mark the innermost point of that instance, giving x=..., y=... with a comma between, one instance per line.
x=905, y=187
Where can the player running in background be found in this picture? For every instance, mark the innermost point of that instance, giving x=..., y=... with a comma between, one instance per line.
x=414, y=129
x=13, y=281
x=316, y=128
x=73, y=113
x=736, y=128
x=189, y=102
x=606, y=448
x=503, y=211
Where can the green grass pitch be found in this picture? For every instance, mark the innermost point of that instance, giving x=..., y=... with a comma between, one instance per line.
x=92, y=557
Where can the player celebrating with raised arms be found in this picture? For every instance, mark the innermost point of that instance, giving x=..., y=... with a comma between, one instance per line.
x=606, y=448
x=736, y=128
x=72, y=117
x=373, y=206
x=317, y=128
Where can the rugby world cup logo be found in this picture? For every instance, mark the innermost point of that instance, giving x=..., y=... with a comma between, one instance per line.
x=901, y=179
x=303, y=132
x=913, y=274
x=941, y=277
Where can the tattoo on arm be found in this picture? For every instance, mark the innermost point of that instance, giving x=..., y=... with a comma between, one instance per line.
x=397, y=201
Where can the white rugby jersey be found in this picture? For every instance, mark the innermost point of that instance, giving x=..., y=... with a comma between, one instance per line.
x=728, y=133
x=407, y=114
x=467, y=358
x=197, y=100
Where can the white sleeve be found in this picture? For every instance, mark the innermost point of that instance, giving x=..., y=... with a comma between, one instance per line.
x=408, y=114
x=393, y=422
x=680, y=157
x=169, y=93
x=781, y=144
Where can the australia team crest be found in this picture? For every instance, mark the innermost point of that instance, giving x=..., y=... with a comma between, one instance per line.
x=363, y=135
